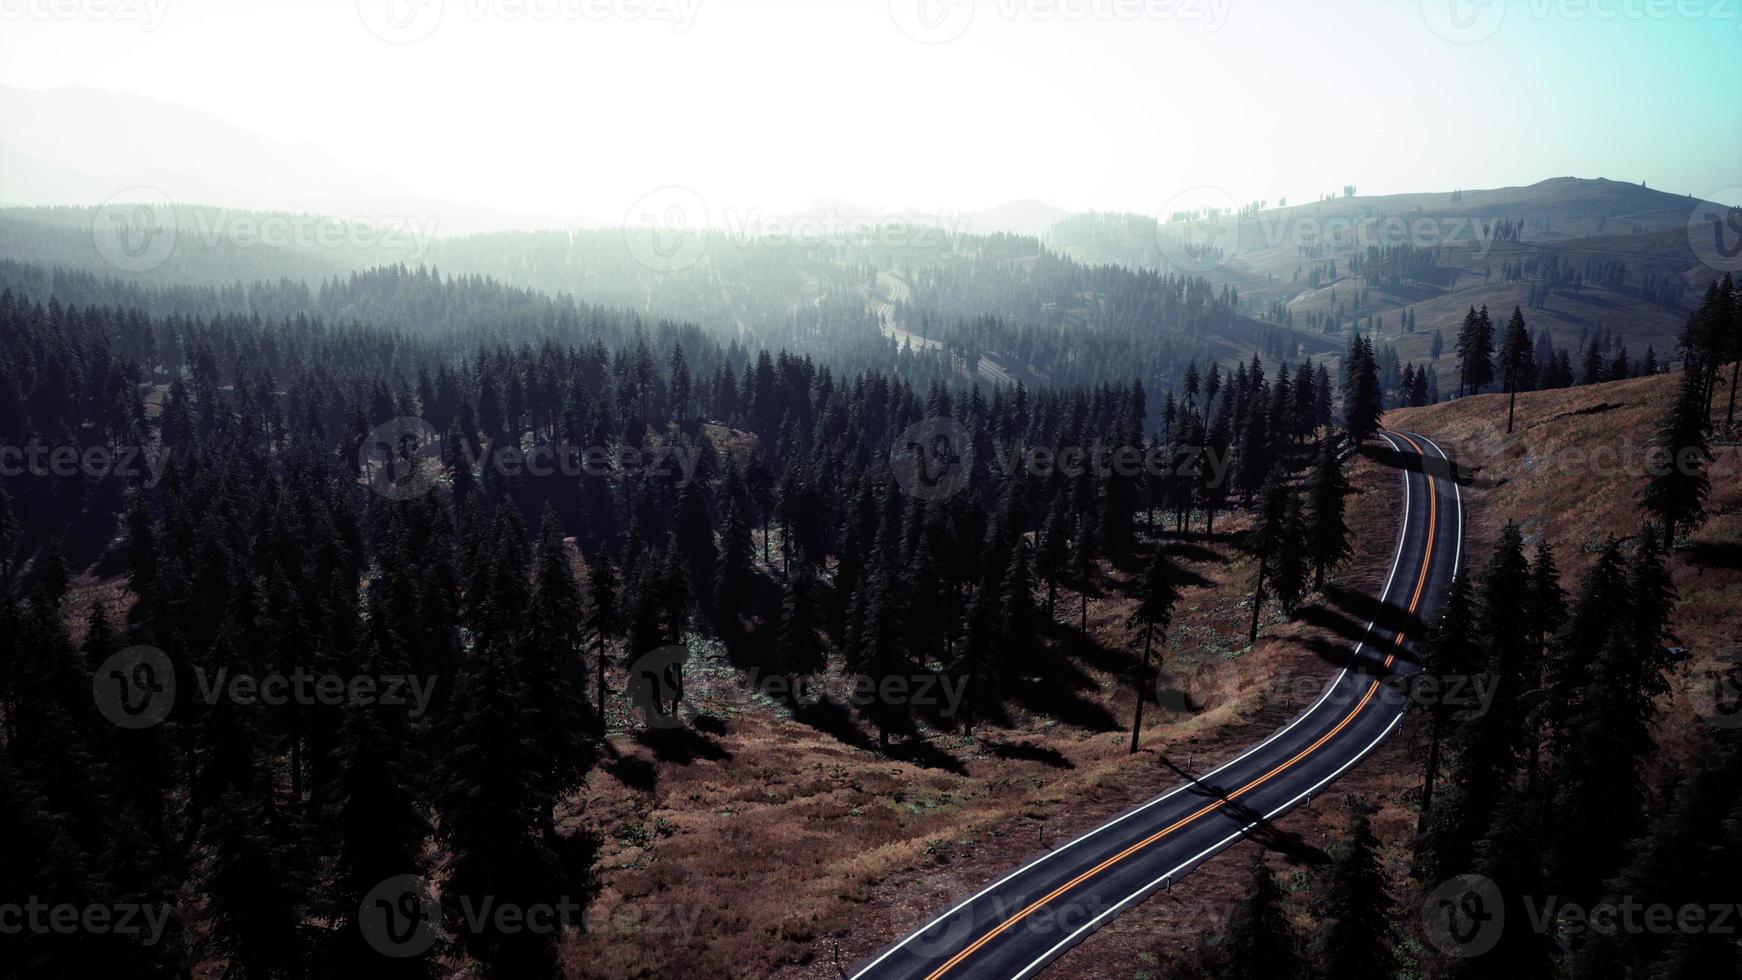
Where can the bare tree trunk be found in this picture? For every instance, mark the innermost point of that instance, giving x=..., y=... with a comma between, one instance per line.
x=601, y=669
x=1257, y=603
x=1433, y=766
x=1730, y=413
x=1142, y=673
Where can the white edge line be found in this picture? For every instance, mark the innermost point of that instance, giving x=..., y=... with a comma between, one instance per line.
x=1458, y=493
x=1224, y=842
x=1397, y=556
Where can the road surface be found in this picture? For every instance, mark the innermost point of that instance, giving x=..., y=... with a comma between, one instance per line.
x=1016, y=926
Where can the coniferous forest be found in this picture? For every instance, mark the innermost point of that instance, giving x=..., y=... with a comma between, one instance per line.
x=552, y=490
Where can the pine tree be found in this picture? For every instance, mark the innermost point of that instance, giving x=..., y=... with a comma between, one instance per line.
x=1264, y=540
x=1475, y=352
x=255, y=885
x=1517, y=359
x=694, y=539
x=1355, y=941
x=882, y=653
x=1052, y=553
x=1450, y=651
x=1510, y=855
x=1675, y=494
x=735, y=576
x=1155, y=601
x=1363, y=401
x=602, y=623
x=1545, y=612
x=1261, y=944
x=552, y=666
x=1289, y=576
x=1327, y=533
x=380, y=828
x=1083, y=566
x=797, y=650
x=1016, y=613
x=493, y=798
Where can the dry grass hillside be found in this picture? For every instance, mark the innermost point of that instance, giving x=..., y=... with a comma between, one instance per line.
x=1570, y=472
x=761, y=842
x=758, y=842
x=1576, y=220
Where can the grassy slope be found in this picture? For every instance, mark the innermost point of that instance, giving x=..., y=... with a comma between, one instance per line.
x=758, y=842
x=1571, y=472
x=1577, y=218
x=789, y=836
x=1537, y=478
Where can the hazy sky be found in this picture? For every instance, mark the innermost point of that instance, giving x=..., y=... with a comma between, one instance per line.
x=578, y=107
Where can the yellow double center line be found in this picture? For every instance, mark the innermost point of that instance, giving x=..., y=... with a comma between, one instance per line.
x=1415, y=600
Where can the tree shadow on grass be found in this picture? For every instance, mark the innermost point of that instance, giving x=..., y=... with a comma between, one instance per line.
x=1193, y=552
x=1029, y=751
x=634, y=772
x=838, y=721
x=1074, y=644
x=1715, y=554
x=1047, y=697
x=682, y=745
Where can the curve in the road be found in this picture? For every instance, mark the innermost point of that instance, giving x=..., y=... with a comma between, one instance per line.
x=1017, y=925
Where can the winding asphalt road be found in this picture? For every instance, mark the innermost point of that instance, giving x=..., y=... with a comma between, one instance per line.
x=1016, y=926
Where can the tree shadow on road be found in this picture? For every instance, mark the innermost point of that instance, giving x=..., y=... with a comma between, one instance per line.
x=1287, y=843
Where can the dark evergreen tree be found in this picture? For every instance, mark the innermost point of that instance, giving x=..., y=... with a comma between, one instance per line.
x=1355, y=940
x=1261, y=943
x=1675, y=493
x=1155, y=601
x=1327, y=533
x=1517, y=361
